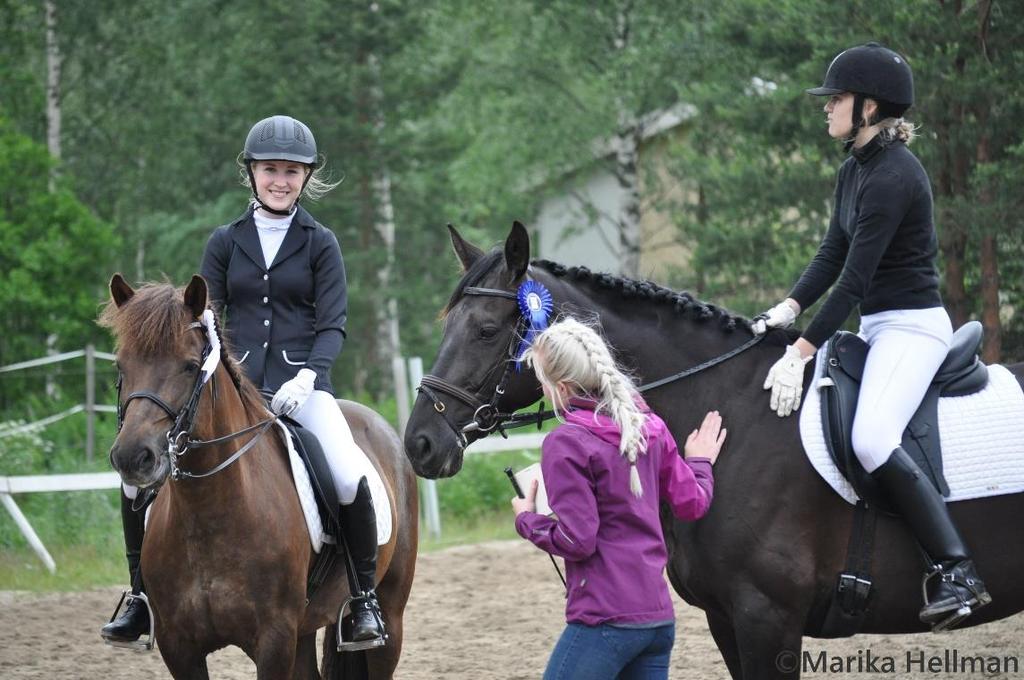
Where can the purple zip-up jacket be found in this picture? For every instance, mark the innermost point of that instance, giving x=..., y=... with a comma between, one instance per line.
x=612, y=542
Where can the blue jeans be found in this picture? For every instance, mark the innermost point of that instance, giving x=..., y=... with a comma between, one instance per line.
x=596, y=652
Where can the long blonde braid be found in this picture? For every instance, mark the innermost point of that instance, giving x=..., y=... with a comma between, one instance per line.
x=572, y=353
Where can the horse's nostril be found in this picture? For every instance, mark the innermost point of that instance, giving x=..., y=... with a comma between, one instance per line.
x=145, y=456
x=423, y=444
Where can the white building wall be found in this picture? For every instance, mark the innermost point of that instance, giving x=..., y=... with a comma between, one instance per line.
x=577, y=227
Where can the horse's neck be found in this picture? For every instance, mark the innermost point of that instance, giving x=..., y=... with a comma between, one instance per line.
x=650, y=334
x=654, y=342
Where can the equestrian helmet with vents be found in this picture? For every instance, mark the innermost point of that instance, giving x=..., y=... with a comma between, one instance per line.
x=280, y=138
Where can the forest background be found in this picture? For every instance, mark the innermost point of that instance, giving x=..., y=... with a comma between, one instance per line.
x=121, y=123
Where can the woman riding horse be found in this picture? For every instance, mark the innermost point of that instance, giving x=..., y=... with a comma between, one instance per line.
x=881, y=246
x=229, y=556
x=278, y=276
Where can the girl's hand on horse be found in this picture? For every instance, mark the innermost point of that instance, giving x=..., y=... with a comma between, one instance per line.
x=707, y=440
x=528, y=504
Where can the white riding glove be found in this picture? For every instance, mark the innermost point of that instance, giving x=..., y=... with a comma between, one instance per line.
x=294, y=393
x=781, y=315
x=786, y=381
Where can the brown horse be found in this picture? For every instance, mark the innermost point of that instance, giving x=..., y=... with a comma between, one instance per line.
x=226, y=557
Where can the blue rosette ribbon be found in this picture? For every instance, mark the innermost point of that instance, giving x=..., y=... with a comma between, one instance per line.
x=535, y=305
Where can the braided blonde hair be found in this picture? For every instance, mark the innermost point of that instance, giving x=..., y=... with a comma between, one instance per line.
x=573, y=354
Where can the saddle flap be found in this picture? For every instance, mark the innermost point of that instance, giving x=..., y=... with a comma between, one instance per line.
x=312, y=454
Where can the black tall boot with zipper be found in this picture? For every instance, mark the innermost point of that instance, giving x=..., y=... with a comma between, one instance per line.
x=953, y=588
x=359, y=528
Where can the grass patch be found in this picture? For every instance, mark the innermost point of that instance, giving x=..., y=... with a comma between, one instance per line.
x=79, y=567
x=461, y=531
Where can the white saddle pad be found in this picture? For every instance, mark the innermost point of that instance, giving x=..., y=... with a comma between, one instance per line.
x=982, y=438
x=317, y=537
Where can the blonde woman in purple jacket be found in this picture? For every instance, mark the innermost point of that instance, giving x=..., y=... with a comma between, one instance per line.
x=606, y=470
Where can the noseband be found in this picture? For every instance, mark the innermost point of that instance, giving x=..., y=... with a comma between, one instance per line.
x=179, y=437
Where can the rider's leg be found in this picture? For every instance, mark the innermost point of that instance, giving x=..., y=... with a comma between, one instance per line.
x=134, y=620
x=350, y=469
x=907, y=348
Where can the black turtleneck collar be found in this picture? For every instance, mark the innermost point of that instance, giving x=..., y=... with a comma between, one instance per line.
x=865, y=153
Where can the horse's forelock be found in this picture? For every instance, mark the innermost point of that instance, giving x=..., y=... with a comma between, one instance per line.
x=472, y=277
x=152, y=323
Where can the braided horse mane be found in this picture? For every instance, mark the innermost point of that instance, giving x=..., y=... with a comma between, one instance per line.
x=683, y=303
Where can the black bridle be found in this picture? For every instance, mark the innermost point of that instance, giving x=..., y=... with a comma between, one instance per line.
x=487, y=418
x=179, y=437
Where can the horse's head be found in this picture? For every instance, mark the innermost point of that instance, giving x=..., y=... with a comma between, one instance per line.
x=474, y=374
x=159, y=355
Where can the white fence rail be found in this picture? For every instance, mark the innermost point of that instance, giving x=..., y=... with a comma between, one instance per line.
x=48, y=483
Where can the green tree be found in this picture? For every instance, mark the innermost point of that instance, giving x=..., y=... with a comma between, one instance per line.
x=52, y=256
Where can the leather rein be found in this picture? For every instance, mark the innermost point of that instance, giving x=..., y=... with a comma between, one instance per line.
x=487, y=417
x=179, y=437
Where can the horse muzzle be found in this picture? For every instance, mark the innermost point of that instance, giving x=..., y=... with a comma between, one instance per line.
x=429, y=460
x=139, y=465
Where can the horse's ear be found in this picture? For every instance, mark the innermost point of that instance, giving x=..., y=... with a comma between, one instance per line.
x=517, y=250
x=120, y=291
x=195, y=295
x=464, y=250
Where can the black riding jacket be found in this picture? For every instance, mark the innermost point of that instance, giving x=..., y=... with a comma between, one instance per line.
x=880, y=245
x=289, y=316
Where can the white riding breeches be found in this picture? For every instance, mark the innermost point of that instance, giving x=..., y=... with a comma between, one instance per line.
x=321, y=416
x=906, y=348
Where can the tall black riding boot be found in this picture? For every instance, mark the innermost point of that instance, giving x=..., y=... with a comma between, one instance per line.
x=953, y=589
x=359, y=529
x=134, y=620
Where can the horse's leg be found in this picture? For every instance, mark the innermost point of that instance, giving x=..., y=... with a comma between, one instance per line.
x=184, y=663
x=275, y=652
x=768, y=635
x=305, y=659
x=394, y=594
x=725, y=639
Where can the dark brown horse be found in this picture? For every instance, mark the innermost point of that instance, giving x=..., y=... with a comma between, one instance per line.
x=763, y=562
x=226, y=557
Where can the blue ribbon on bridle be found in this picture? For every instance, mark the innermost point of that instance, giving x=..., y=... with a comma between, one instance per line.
x=535, y=305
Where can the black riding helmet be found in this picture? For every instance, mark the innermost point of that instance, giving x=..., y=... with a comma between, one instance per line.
x=279, y=138
x=874, y=71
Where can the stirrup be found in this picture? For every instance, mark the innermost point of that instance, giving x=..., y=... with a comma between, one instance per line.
x=966, y=606
x=358, y=645
x=146, y=642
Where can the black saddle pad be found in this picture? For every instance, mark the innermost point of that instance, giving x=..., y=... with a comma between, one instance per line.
x=962, y=373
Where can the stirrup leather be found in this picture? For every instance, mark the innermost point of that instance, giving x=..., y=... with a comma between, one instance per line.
x=370, y=600
x=146, y=641
x=966, y=606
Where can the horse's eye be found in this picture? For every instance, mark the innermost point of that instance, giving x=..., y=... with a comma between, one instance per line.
x=488, y=332
x=192, y=368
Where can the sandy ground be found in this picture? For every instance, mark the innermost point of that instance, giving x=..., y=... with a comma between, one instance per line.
x=491, y=610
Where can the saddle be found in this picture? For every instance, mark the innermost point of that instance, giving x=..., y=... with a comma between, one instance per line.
x=312, y=454
x=962, y=373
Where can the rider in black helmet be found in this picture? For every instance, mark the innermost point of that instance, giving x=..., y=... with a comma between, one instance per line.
x=880, y=252
x=278, y=277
